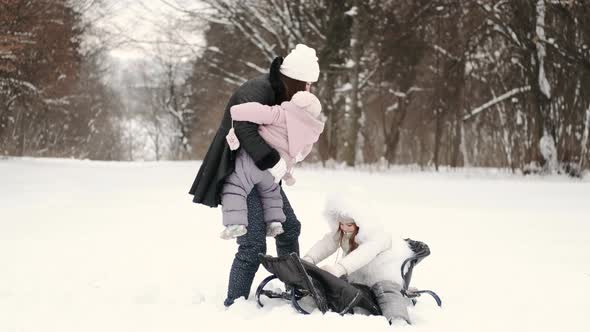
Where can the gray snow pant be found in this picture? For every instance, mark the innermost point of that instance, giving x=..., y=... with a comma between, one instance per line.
x=391, y=301
x=240, y=183
x=246, y=261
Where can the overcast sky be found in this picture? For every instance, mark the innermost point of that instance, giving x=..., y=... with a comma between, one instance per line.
x=147, y=20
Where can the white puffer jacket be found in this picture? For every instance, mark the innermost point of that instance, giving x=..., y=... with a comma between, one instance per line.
x=378, y=256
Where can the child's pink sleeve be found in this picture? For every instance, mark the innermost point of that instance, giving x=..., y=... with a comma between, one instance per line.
x=255, y=112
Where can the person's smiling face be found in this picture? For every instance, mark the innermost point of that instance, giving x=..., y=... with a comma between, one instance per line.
x=347, y=225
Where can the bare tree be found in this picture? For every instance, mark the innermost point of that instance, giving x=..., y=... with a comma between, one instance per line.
x=482, y=83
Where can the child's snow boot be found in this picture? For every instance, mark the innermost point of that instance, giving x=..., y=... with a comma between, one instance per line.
x=233, y=231
x=274, y=228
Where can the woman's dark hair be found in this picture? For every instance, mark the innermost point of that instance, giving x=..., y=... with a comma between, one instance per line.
x=292, y=86
x=283, y=86
x=276, y=81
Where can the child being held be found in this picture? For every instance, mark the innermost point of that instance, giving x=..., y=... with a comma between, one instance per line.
x=290, y=128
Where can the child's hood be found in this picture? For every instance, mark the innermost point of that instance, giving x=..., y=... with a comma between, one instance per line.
x=302, y=127
x=357, y=207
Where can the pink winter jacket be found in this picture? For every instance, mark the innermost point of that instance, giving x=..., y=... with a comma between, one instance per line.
x=288, y=128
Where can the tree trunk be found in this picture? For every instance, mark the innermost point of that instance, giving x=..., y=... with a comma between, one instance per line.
x=22, y=133
x=542, y=92
x=584, y=143
x=393, y=138
x=458, y=102
x=353, y=102
x=327, y=143
x=437, y=136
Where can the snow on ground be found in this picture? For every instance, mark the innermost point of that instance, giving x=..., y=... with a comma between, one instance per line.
x=98, y=246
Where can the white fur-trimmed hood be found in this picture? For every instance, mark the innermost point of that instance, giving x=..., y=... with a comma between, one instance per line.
x=353, y=205
x=379, y=255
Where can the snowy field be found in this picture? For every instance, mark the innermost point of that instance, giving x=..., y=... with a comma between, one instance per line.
x=109, y=247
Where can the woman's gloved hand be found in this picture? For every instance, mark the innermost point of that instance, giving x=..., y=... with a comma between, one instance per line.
x=335, y=269
x=308, y=259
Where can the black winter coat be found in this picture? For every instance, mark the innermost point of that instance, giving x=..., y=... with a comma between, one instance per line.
x=219, y=160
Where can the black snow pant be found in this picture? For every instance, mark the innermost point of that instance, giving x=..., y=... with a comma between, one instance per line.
x=246, y=261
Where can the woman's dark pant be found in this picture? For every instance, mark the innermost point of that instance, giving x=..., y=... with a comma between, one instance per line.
x=252, y=243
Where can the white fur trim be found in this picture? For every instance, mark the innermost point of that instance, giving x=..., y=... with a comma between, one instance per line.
x=379, y=255
x=356, y=206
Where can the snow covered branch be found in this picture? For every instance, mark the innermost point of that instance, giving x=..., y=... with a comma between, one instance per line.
x=496, y=100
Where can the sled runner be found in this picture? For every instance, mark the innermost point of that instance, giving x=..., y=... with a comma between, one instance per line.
x=303, y=279
x=421, y=251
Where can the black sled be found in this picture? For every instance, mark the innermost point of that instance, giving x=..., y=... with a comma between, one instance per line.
x=330, y=293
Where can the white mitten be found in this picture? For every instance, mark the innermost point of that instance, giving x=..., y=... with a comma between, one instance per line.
x=308, y=259
x=279, y=170
x=274, y=228
x=336, y=269
x=233, y=231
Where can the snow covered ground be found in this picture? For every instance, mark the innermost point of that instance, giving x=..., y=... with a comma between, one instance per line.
x=97, y=246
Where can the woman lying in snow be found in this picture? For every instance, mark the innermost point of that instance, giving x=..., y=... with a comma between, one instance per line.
x=369, y=256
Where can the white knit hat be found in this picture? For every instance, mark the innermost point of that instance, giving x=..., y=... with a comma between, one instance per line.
x=308, y=101
x=301, y=64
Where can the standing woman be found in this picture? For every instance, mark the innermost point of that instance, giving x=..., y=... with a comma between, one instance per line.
x=293, y=74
